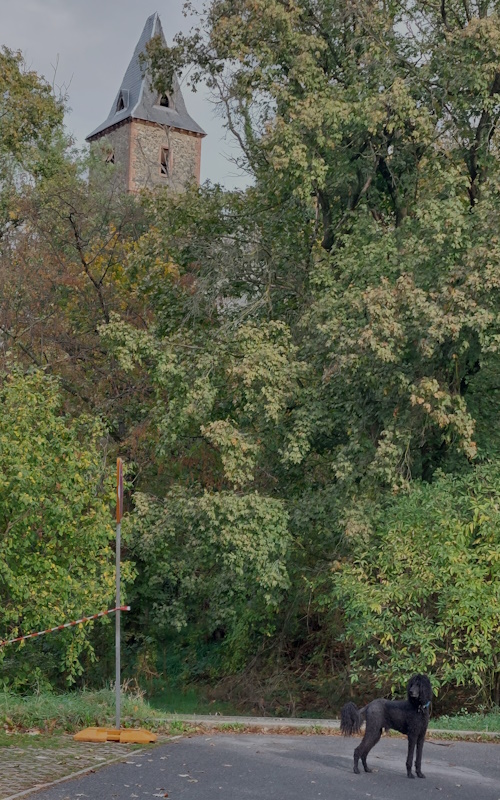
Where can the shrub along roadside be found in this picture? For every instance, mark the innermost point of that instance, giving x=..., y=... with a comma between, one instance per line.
x=425, y=589
x=70, y=712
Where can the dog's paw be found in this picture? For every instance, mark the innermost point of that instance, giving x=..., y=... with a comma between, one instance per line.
x=356, y=770
x=420, y=775
x=411, y=775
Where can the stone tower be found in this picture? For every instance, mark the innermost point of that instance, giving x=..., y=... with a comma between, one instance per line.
x=151, y=139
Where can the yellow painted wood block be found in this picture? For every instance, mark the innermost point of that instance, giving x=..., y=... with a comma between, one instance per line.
x=124, y=735
x=138, y=736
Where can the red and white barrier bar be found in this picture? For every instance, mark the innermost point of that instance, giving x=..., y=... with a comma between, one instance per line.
x=66, y=625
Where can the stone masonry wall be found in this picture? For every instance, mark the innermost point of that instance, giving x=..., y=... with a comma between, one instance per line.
x=118, y=141
x=137, y=148
x=147, y=141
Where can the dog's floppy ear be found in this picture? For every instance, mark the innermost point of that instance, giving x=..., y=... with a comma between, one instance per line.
x=425, y=689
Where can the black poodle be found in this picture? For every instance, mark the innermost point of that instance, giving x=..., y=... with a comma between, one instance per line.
x=406, y=716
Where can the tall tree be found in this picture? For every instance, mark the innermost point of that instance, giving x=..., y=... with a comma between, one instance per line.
x=329, y=337
x=62, y=275
x=30, y=123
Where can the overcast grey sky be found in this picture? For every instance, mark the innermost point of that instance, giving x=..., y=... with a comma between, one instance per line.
x=88, y=45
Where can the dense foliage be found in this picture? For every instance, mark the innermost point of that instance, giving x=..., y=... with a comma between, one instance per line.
x=425, y=590
x=56, y=561
x=304, y=375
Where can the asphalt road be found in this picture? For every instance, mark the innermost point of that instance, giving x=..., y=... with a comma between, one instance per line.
x=266, y=767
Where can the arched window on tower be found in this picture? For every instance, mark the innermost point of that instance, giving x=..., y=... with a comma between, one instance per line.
x=164, y=101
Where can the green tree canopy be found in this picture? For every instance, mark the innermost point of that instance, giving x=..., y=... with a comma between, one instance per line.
x=30, y=131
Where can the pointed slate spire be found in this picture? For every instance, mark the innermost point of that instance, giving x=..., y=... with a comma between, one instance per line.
x=137, y=100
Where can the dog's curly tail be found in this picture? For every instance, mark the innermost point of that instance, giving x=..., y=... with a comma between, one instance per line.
x=350, y=719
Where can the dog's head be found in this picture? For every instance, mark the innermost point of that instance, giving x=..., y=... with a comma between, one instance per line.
x=420, y=690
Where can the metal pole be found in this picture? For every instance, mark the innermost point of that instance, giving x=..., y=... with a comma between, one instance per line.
x=119, y=512
x=117, y=622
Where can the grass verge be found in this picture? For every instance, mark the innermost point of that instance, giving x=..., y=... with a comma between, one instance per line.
x=47, y=713
x=484, y=722
x=27, y=717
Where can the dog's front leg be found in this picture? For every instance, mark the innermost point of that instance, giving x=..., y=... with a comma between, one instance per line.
x=418, y=761
x=409, y=758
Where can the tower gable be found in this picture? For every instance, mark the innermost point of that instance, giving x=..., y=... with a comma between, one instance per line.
x=141, y=126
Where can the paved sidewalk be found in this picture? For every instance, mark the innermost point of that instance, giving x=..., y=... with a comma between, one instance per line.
x=24, y=769
x=268, y=723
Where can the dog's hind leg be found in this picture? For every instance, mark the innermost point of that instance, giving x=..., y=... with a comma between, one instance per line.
x=369, y=740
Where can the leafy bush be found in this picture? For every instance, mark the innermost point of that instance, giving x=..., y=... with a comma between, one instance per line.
x=212, y=565
x=424, y=593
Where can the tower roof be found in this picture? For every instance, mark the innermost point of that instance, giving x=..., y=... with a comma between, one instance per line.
x=137, y=100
